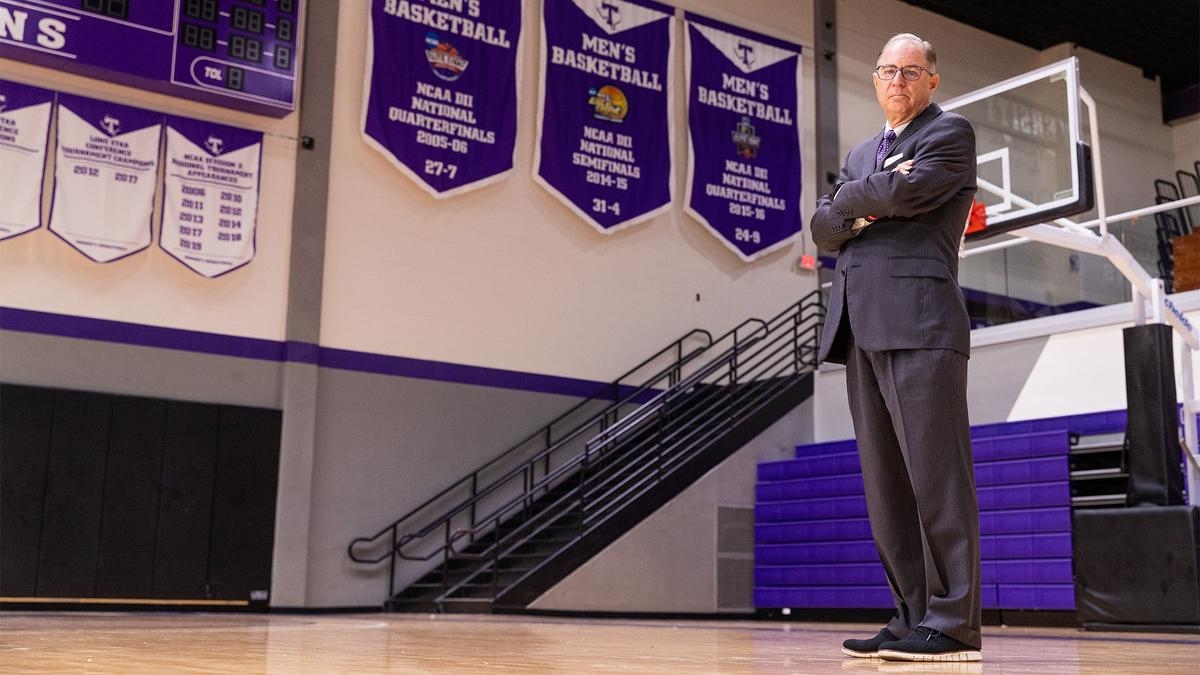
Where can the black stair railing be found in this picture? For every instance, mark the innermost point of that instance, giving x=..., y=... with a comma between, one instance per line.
x=739, y=373
x=761, y=360
x=524, y=460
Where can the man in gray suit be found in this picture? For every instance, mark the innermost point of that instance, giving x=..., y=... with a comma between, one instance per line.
x=898, y=321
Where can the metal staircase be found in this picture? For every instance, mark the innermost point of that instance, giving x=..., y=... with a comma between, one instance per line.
x=505, y=533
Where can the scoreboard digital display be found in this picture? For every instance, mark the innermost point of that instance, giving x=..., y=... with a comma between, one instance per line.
x=239, y=54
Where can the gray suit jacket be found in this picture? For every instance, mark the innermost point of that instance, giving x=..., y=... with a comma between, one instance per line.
x=895, y=285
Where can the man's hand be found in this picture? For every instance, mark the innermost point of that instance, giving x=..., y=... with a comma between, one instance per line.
x=904, y=167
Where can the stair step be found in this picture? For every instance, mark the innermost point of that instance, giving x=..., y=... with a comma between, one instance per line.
x=467, y=605
x=621, y=470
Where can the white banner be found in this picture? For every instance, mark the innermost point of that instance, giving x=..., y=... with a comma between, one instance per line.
x=105, y=175
x=210, y=195
x=24, y=132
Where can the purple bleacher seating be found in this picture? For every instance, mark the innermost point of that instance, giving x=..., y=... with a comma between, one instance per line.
x=811, y=509
x=1054, y=519
x=818, y=552
x=813, y=465
x=864, y=574
x=813, y=546
x=1025, y=546
x=1020, y=446
x=817, y=530
x=1046, y=571
x=1022, y=471
x=825, y=486
x=853, y=597
x=1024, y=496
x=1037, y=596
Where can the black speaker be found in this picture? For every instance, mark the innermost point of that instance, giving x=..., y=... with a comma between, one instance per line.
x=1152, y=436
x=1138, y=565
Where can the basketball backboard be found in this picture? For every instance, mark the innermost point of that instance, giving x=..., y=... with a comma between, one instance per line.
x=1032, y=165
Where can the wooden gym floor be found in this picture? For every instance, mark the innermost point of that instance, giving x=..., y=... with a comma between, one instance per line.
x=408, y=643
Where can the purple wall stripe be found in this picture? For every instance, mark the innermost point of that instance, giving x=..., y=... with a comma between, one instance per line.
x=120, y=332
x=462, y=374
x=62, y=325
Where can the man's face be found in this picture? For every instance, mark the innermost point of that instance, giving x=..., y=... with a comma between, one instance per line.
x=901, y=99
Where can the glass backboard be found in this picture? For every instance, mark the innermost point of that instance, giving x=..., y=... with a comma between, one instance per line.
x=1032, y=165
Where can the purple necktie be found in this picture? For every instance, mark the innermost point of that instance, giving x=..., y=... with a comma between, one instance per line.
x=883, y=148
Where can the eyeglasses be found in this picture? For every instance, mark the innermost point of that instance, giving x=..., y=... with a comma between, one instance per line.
x=910, y=73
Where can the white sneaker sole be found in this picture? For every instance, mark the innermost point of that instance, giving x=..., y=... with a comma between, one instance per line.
x=860, y=655
x=968, y=655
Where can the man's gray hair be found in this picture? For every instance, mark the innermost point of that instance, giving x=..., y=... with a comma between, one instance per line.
x=930, y=54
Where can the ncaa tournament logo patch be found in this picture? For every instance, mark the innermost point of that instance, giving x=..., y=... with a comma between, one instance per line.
x=608, y=103
x=444, y=59
x=745, y=139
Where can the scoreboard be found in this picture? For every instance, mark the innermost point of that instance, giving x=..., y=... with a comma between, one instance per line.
x=239, y=54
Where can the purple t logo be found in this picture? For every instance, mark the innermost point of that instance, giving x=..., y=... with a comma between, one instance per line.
x=747, y=53
x=610, y=12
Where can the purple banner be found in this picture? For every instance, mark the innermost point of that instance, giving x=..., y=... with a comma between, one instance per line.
x=105, y=176
x=210, y=195
x=441, y=90
x=24, y=132
x=744, y=136
x=604, y=147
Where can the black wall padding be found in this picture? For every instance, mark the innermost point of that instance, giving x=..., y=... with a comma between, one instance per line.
x=1155, y=456
x=131, y=487
x=70, y=541
x=243, y=532
x=26, y=415
x=122, y=497
x=185, y=501
x=1138, y=565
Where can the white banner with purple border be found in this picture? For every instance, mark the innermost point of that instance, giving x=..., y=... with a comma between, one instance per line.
x=24, y=134
x=440, y=97
x=743, y=136
x=210, y=195
x=105, y=177
x=604, y=114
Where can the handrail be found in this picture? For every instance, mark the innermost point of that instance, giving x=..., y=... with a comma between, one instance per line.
x=565, y=468
x=616, y=387
x=497, y=483
x=754, y=351
x=593, y=451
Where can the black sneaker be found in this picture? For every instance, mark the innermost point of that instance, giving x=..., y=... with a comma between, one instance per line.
x=926, y=644
x=867, y=649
